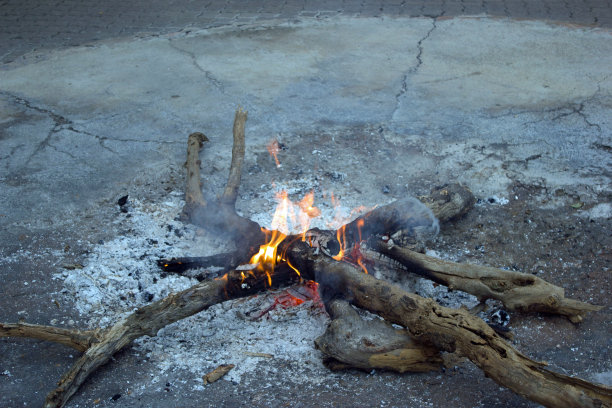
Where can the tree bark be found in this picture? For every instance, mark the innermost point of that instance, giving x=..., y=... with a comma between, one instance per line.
x=450, y=330
x=517, y=291
x=351, y=342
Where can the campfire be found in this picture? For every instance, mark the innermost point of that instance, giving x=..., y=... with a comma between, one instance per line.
x=335, y=268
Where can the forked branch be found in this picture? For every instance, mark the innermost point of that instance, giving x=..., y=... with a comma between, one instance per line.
x=450, y=330
x=517, y=291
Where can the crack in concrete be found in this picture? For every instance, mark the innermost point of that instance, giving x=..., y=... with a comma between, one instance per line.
x=414, y=69
x=579, y=111
x=58, y=119
x=572, y=108
x=419, y=56
x=59, y=122
x=102, y=139
x=99, y=138
x=67, y=153
x=207, y=74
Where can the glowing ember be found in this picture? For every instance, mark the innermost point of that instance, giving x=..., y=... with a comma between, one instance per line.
x=274, y=148
x=292, y=297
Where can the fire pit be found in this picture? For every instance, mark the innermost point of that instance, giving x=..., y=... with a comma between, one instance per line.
x=338, y=259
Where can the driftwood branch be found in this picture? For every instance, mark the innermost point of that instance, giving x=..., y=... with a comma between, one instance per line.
x=449, y=202
x=148, y=320
x=193, y=190
x=450, y=330
x=219, y=216
x=80, y=340
x=517, y=291
x=351, y=342
x=233, y=181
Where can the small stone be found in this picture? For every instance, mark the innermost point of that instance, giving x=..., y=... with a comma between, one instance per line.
x=122, y=201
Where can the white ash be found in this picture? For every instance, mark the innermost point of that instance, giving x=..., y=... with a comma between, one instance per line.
x=121, y=275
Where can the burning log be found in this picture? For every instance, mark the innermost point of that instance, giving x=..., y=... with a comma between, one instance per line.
x=179, y=265
x=430, y=328
x=446, y=202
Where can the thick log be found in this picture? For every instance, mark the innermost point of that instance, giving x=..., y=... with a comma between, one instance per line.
x=517, y=291
x=351, y=342
x=226, y=261
x=450, y=330
x=408, y=215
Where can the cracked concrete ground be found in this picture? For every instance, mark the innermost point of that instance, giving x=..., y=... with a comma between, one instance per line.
x=520, y=111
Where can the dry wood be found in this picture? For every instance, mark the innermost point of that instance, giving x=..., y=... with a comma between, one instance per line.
x=449, y=330
x=80, y=340
x=219, y=216
x=226, y=261
x=193, y=190
x=517, y=291
x=233, y=181
x=351, y=342
x=449, y=202
x=435, y=327
x=148, y=320
x=217, y=373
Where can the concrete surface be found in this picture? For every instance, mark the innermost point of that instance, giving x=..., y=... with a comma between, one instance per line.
x=372, y=108
x=31, y=25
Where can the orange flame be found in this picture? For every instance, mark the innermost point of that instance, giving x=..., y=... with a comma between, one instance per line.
x=307, y=212
x=355, y=256
x=288, y=216
x=341, y=237
x=284, y=218
x=274, y=148
x=360, y=223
